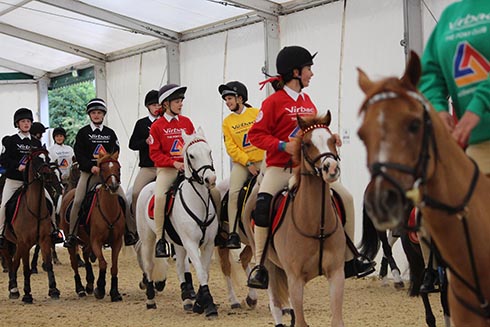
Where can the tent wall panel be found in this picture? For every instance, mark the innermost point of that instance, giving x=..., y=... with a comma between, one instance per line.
x=14, y=96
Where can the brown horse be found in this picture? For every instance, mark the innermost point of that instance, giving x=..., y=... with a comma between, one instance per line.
x=310, y=240
x=104, y=227
x=31, y=225
x=411, y=154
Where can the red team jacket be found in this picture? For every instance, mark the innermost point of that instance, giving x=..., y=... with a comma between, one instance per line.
x=276, y=122
x=167, y=144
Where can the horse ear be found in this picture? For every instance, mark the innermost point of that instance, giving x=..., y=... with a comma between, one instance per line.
x=116, y=155
x=327, y=119
x=185, y=136
x=200, y=132
x=413, y=71
x=363, y=80
x=301, y=122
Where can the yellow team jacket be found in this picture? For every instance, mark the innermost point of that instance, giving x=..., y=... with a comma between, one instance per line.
x=235, y=132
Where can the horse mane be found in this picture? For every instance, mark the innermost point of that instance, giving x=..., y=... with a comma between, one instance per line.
x=389, y=84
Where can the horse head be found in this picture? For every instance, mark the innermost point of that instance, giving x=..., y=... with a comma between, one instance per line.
x=74, y=172
x=110, y=171
x=316, y=148
x=397, y=132
x=38, y=166
x=198, y=162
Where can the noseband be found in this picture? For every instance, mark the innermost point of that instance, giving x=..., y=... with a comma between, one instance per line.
x=312, y=161
x=195, y=172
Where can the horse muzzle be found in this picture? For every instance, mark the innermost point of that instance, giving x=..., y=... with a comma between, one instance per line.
x=330, y=171
x=385, y=205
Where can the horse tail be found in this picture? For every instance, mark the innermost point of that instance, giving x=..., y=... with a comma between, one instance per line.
x=370, y=240
x=415, y=262
x=278, y=283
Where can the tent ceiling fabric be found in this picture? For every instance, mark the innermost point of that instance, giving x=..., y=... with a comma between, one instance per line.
x=54, y=35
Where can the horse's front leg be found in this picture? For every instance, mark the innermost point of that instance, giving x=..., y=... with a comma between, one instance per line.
x=99, y=291
x=336, y=282
x=13, y=265
x=187, y=292
x=89, y=271
x=46, y=246
x=24, y=252
x=245, y=258
x=35, y=257
x=116, y=248
x=226, y=269
x=204, y=301
x=79, y=289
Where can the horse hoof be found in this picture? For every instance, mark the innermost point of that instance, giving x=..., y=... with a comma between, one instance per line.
x=27, y=299
x=14, y=295
x=399, y=285
x=34, y=270
x=197, y=308
x=151, y=306
x=142, y=285
x=160, y=286
x=116, y=297
x=82, y=294
x=89, y=288
x=251, y=303
x=211, y=311
x=236, y=306
x=99, y=294
x=188, y=305
x=57, y=262
x=54, y=293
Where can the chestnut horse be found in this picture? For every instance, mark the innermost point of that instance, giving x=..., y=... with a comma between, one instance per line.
x=310, y=240
x=411, y=155
x=105, y=226
x=31, y=225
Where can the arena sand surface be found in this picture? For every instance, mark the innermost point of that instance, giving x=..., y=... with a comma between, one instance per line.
x=366, y=303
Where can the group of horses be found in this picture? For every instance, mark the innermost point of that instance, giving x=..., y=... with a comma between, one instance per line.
x=307, y=239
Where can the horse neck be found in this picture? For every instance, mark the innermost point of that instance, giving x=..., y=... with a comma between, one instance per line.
x=35, y=193
x=453, y=170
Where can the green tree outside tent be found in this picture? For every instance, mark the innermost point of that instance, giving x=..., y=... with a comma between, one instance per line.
x=67, y=108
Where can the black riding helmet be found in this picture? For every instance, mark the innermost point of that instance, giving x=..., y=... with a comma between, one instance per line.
x=171, y=92
x=151, y=98
x=22, y=113
x=96, y=104
x=233, y=88
x=37, y=128
x=290, y=58
x=59, y=131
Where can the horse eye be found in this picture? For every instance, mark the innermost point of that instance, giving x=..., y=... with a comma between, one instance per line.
x=414, y=126
x=191, y=156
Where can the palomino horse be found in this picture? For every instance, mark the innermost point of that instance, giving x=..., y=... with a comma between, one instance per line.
x=104, y=226
x=411, y=154
x=310, y=240
x=193, y=217
x=31, y=225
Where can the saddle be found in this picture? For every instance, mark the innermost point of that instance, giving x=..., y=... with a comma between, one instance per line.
x=168, y=226
x=281, y=202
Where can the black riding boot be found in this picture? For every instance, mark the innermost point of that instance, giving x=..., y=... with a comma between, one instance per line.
x=359, y=267
x=259, y=278
x=431, y=279
x=71, y=241
x=233, y=241
x=130, y=238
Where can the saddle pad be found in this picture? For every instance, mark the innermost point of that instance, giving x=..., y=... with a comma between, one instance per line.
x=168, y=206
x=12, y=206
x=412, y=222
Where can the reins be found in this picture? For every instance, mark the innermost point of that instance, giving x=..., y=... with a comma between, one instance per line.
x=419, y=173
x=317, y=173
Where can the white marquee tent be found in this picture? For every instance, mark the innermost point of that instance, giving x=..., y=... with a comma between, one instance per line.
x=138, y=45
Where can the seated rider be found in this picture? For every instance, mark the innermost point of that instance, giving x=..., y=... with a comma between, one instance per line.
x=246, y=157
x=15, y=150
x=91, y=141
x=140, y=141
x=275, y=125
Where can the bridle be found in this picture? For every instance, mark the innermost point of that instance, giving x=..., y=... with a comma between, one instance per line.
x=195, y=172
x=117, y=176
x=312, y=161
x=420, y=198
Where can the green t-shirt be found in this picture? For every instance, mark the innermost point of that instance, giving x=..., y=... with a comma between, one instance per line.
x=456, y=63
